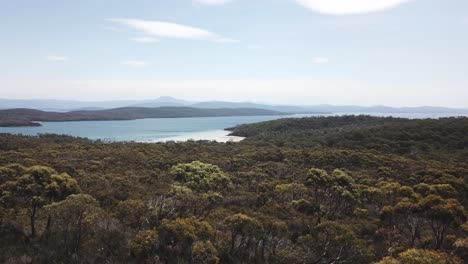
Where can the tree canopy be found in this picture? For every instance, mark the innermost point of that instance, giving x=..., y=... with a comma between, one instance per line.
x=351, y=189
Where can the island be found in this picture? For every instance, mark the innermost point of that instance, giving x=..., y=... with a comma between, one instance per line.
x=30, y=117
x=18, y=123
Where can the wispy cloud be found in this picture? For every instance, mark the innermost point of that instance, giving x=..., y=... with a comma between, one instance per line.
x=320, y=60
x=56, y=58
x=464, y=21
x=145, y=40
x=135, y=63
x=159, y=29
x=347, y=7
x=212, y=2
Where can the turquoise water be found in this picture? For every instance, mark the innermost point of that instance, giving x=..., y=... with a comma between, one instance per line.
x=143, y=130
x=163, y=129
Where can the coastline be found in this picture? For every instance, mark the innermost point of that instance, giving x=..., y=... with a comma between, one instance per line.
x=221, y=136
x=19, y=123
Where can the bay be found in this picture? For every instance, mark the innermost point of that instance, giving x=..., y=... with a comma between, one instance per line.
x=170, y=129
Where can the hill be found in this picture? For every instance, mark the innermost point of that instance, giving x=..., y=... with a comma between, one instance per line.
x=69, y=105
x=281, y=108
x=126, y=113
x=445, y=136
x=385, y=109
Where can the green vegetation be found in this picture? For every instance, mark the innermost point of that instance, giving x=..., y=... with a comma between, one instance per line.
x=26, y=117
x=353, y=189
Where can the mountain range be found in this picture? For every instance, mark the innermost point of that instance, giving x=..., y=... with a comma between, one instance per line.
x=166, y=101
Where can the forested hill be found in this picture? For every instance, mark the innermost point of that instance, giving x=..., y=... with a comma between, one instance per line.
x=314, y=190
x=419, y=137
x=13, y=116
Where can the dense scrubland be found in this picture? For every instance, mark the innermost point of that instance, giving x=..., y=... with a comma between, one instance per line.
x=352, y=189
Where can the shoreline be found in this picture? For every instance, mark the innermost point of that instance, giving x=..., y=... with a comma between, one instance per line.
x=221, y=136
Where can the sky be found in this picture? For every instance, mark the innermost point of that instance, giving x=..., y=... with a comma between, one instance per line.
x=307, y=52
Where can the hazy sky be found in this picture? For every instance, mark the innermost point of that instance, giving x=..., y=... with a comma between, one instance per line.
x=367, y=52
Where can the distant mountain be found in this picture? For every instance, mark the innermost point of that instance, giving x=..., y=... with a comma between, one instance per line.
x=157, y=104
x=24, y=116
x=162, y=101
x=385, y=109
x=221, y=104
x=88, y=109
x=167, y=101
x=68, y=105
x=42, y=104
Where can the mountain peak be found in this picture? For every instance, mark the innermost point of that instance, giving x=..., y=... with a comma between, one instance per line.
x=170, y=99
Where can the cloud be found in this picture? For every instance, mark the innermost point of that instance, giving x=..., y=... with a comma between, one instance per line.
x=56, y=58
x=212, y=2
x=320, y=60
x=348, y=7
x=465, y=21
x=135, y=63
x=145, y=40
x=159, y=29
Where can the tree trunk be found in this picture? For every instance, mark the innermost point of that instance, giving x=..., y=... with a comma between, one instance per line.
x=32, y=218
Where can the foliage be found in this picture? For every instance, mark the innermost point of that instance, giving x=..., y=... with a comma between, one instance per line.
x=201, y=177
x=419, y=256
x=352, y=189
